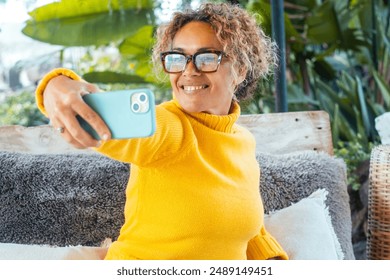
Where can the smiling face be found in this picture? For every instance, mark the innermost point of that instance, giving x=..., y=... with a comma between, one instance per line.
x=202, y=92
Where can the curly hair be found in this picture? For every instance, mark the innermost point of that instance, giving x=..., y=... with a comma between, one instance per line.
x=243, y=40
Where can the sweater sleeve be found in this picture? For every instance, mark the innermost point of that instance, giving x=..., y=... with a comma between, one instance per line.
x=168, y=143
x=264, y=246
x=46, y=79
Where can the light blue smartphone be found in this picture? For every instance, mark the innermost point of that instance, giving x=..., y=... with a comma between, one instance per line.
x=127, y=113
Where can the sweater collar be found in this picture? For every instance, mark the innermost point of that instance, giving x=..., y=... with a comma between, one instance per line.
x=223, y=123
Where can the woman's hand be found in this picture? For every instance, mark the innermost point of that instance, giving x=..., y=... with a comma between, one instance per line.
x=63, y=102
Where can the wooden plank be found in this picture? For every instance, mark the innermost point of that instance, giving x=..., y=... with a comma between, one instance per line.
x=35, y=139
x=280, y=133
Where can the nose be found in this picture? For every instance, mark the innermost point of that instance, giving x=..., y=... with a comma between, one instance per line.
x=190, y=69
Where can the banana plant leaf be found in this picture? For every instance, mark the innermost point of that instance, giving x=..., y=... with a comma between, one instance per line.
x=263, y=9
x=86, y=23
x=138, y=47
x=140, y=43
x=107, y=77
x=330, y=24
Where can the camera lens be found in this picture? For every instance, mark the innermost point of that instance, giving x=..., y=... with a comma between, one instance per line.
x=136, y=107
x=143, y=97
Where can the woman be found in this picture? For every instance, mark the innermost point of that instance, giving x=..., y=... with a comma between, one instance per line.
x=193, y=189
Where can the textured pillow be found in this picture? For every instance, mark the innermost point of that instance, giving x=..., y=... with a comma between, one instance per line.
x=61, y=199
x=290, y=224
x=288, y=178
x=382, y=126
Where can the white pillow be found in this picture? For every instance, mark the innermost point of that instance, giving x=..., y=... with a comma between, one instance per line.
x=10, y=251
x=305, y=230
x=382, y=126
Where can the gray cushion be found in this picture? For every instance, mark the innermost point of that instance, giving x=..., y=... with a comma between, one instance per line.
x=66, y=199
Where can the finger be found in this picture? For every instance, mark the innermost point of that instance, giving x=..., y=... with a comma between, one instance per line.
x=88, y=88
x=91, y=88
x=59, y=128
x=76, y=135
x=93, y=119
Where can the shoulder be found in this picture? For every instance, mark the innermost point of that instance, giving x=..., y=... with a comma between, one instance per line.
x=170, y=113
x=244, y=133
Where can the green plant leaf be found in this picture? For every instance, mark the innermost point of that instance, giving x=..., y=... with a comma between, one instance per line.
x=74, y=8
x=335, y=98
x=361, y=129
x=383, y=87
x=323, y=27
x=94, y=22
x=263, y=10
x=335, y=125
x=363, y=107
x=331, y=24
x=325, y=69
x=139, y=43
x=113, y=77
x=138, y=48
x=347, y=133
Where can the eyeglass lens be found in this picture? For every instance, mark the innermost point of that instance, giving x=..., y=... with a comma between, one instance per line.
x=204, y=62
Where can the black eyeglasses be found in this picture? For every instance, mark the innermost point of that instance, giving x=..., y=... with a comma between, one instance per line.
x=204, y=61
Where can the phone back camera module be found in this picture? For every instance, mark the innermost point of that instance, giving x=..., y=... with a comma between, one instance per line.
x=140, y=102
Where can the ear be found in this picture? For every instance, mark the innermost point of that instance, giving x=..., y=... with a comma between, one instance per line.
x=241, y=76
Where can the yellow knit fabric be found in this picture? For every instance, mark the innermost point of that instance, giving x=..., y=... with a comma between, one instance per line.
x=193, y=192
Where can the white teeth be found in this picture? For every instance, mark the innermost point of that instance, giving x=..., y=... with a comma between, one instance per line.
x=193, y=88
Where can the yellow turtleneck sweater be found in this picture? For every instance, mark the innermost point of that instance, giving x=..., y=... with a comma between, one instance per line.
x=193, y=191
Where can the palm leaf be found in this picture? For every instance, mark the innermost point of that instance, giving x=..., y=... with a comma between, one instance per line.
x=363, y=108
x=85, y=23
x=384, y=88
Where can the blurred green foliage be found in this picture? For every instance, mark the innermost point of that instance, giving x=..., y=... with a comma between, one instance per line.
x=354, y=154
x=21, y=109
